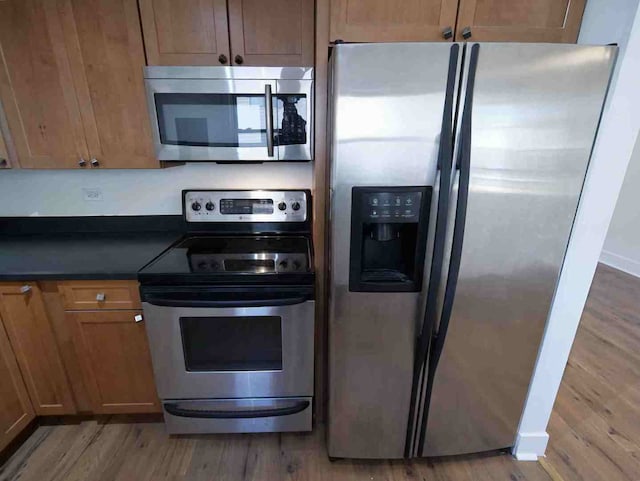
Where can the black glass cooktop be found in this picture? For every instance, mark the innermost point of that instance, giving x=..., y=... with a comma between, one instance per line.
x=227, y=256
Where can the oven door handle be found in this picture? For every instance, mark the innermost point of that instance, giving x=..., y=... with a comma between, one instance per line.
x=222, y=303
x=174, y=410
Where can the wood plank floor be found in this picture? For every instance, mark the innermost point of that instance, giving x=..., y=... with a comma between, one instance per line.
x=595, y=429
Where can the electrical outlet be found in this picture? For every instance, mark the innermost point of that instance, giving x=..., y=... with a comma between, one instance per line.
x=92, y=194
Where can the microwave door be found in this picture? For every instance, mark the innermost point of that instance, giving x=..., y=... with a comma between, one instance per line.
x=212, y=120
x=293, y=129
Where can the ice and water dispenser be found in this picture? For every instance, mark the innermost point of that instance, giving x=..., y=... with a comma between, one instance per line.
x=388, y=238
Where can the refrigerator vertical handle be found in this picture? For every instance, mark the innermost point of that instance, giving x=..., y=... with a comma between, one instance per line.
x=463, y=163
x=445, y=157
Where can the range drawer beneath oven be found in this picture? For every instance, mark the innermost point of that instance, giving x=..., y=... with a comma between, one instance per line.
x=259, y=415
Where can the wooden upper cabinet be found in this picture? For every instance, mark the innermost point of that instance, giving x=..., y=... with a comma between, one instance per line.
x=16, y=411
x=185, y=32
x=106, y=51
x=36, y=86
x=388, y=21
x=4, y=154
x=114, y=356
x=273, y=32
x=31, y=335
x=520, y=20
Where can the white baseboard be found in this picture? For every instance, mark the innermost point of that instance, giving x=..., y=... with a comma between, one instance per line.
x=630, y=266
x=530, y=446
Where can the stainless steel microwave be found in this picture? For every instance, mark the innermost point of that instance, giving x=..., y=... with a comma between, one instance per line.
x=231, y=114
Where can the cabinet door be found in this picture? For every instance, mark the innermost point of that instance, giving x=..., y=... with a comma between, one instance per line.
x=114, y=354
x=34, y=344
x=4, y=154
x=556, y=21
x=185, y=32
x=36, y=86
x=16, y=411
x=386, y=21
x=104, y=40
x=273, y=32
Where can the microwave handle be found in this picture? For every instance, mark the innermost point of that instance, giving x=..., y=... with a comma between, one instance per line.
x=268, y=108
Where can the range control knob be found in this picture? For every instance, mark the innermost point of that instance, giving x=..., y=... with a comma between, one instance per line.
x=202, y=265
x=295, y=206
x=210, y=205
x=282, y=206
x=196, y=206
x=296, y=265
x=283, y=265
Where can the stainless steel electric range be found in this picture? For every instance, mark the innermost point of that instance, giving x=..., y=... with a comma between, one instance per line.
x=229, y=312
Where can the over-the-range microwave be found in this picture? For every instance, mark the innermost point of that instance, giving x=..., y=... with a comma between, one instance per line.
x=231, y=114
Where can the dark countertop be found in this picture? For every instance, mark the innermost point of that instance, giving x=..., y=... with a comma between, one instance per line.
x=82, y=248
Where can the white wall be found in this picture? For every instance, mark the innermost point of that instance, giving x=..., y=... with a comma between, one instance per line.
x=614, y=146
x=607, y=21
x=622, y=247
x=135, y=192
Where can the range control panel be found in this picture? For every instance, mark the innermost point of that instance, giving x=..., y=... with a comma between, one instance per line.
x=245, y=206
x=392, y=206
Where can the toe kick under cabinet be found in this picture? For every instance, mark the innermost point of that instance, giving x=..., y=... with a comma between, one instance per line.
x=79, y=347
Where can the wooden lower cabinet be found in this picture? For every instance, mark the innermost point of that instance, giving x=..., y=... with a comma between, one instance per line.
x=16, y=411
x=113, y=353
x=32, y=339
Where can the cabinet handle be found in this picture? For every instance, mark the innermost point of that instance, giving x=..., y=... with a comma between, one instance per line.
x=82, y=162
x=466, y=33
x=222, y=59
x=95, y=163
x=25, y=289
x=100, y=297
x=238, y=59
x=447, y=33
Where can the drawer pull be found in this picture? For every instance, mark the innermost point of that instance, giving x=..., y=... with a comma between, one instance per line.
x=100, y=297
x=25, y=289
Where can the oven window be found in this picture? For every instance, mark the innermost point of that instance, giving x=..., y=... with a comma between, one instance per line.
x=211, y=120
x=232, y=343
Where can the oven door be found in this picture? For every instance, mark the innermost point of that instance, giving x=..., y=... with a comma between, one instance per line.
x=231, y=342
x=220, y=120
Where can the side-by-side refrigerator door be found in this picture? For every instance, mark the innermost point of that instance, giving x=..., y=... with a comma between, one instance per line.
x=528, y=125
x=386, y=112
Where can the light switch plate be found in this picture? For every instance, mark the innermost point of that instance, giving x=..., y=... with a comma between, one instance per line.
x=92, y=194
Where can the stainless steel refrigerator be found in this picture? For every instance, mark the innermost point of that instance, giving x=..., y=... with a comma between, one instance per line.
x=456, y=172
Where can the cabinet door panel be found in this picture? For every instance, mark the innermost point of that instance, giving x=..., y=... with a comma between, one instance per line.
x=36, y=86
x=116, y=363
x=385, y=21
x=34, y=344
x=185, y=32
x=105, y=47
x=16, y=411
x=521, y=20
x=4, y=153
x=274, y=32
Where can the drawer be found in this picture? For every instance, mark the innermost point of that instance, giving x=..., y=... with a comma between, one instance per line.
x=92, y=295
x=185, y=416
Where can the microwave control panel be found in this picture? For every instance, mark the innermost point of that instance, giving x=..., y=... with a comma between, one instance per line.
x=245, y=206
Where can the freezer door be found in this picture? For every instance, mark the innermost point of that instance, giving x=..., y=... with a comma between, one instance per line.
x=534, y=117
x=386, y=106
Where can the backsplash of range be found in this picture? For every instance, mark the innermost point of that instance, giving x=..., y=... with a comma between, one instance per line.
x=229, y=313
x=230, y=114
